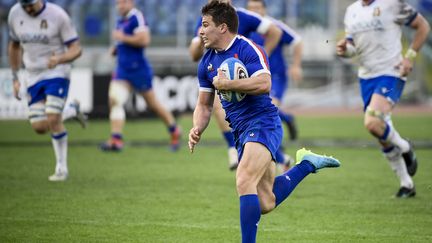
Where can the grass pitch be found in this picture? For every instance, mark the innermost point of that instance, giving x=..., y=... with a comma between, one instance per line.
x=148, y=194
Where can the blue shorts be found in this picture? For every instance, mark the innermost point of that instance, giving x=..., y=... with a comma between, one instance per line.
x=140, y=78
x=58, y=87
x=387, y=86
x=267, y=131
x=279, y=85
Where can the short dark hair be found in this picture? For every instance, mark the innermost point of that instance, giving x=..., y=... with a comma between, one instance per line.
x=222, y=12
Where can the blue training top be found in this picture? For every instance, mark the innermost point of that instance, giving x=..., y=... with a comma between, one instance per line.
x=276, y=59
x=252, y=107
x=128, y=56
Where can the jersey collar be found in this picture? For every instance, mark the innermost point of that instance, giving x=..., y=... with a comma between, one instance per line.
x=42, y=9
x=368, y=4
x=131, y=12
x=229, y=45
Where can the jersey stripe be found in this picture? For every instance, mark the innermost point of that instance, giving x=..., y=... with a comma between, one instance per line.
x=258, y=51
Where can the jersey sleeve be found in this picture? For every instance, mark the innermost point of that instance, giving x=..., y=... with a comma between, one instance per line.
x=405, y=13
x=12, y=34
x=252, y=22
x=289, y=36
x=255, y=59
x=67, y=31
x=348, y=34
x=205, y=84
x=139, y=23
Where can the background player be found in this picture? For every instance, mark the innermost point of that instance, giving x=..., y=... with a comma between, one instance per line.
x=249, y=22
x=258, y=132
x=373, y=32
x=42, y=34
x=133, y=72
x=278, y=66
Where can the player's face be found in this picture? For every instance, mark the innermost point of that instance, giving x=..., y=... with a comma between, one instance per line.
x=209, y=32
x=32, y=9
x=256, y=7
x=124, y=6
x=224, y=1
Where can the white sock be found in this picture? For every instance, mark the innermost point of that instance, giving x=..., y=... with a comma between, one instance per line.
x=397, y=164
x=60, y=144
x=395, y=139
x=69, y=112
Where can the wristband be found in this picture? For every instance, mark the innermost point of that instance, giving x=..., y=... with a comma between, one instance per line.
x=15, y=75
x=411, y=54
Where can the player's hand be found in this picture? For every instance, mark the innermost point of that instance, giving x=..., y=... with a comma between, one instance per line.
x=117, y=35
x=220, y=81
x=53, y=61
x=16, y=89
x=194, y=138
x=296, y=73
x=341, y=47
x=405, y=67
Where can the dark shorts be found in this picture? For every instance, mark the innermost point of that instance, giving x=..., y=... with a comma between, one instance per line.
x=267, y=131
x=58, y=87
x=140, y=78
x=387, y=86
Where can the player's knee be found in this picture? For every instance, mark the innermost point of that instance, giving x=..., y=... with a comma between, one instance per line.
x=118, y=96
x=245, y=183
x=40, y=127
x=37, y=116
x=374, y=121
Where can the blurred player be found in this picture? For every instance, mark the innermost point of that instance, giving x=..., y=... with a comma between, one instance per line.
x=42, y=34
x=373, y=32
x=277, y=62
x=133, y=72
x=248, y=22
x=258, y=131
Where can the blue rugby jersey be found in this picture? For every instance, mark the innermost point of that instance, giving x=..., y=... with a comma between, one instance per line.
x=252, y=107
x=276, y=59
x=128, y=56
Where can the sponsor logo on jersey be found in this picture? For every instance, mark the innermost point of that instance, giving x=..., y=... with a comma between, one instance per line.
x=376, y=12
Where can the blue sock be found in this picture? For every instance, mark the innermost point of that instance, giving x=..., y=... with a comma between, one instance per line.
x=280, y=156
x=117, y=136
x=287, y=182
x=285, y=117
x=229, y=138
x=250, y=214
x=172, y=128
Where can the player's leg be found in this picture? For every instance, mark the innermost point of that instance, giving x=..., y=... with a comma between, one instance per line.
x=307, y=162
x=254, y=163
x=377, y=121
x=223, y=125
x=166, y=116
x=118, y=95
x=279, y=85
x=56, y=94
x=73, y=111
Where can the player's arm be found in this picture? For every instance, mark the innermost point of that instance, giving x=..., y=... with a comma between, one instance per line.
x=272, y=38
x=73, y=52
x=196, y=48
x=422, y=29
x=255, y=85
x=296, y=71
x=345, y=48
x=138, y=39
x=201, y=117
x=15, y=54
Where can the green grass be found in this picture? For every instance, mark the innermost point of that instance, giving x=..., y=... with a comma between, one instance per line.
x=148, y=194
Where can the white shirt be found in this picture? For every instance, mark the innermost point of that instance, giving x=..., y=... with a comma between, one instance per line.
x=376, y=32
x=40, y=36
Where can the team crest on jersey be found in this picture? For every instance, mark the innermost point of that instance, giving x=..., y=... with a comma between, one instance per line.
x=376, y=12
x=210, y=67
x=44, y=24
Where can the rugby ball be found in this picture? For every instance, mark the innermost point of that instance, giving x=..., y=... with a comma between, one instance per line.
x=233, y=68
